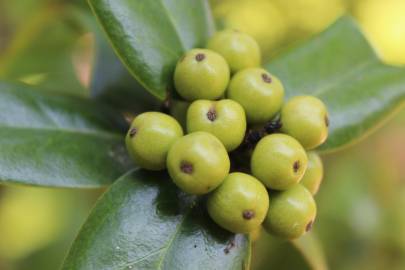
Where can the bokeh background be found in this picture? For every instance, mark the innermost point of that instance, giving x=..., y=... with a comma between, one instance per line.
x=361, y=203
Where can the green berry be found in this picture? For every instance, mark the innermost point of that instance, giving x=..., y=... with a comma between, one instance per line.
x=279, y=161
x=225, y=119
x=240, y=203
x=239, y=49
x=314, y=173
x=201, y=74
x=178, y=109
x=198, y=162
x=260, y=94
x=291, y=212
x=150, y=137
x=306, y=119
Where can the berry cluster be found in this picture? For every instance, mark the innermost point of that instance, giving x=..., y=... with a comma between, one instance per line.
x=252, y=119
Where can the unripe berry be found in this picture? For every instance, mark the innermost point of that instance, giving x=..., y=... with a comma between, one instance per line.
x=313, y=175
x=240, y=204
x=201, y=74
x=306, y=119
x=178, y=109
x=291, y=212
x=239, y=49
x=198, y=162
x=260, y=94
x=225, y=119
x=149, y=138
x=279, y=161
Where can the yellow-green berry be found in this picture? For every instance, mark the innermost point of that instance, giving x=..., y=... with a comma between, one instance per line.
x=291, y=212
x=149, y=138
x=306, y=119
x=260, y=94
x=313, y=175
x=201, y=74
x=225, y=119
x=198, y=162
x=279, y=161
x=239, y=204
x=239, y=49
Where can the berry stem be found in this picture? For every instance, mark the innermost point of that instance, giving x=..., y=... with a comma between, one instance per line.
x=253, y=136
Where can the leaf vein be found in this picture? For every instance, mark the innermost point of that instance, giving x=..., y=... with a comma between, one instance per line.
x=176, y=233
x=174, y=25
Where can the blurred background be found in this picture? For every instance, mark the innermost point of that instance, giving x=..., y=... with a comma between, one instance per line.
x=361, y=217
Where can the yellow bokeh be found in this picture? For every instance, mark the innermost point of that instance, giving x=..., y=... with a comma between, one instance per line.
x=310, y=16
x=30, y=218
x=259, y=18
x=384, y=24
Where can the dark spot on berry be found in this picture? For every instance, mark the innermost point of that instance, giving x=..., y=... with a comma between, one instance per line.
x=199, y=57
x=195, y=246
x=212, y=114
x=296, y=166
x=309, y=226
x=248, y=214
x=132, y=132
x=186, y=167
x=326, y=120
x=266, y=78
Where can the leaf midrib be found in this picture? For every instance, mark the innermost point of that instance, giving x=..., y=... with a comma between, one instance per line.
x=176, y=233
x=176, y=31
x=165, y=249
x=128, y=65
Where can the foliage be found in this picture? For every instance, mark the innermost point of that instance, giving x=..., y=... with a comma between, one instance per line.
x=50, y=138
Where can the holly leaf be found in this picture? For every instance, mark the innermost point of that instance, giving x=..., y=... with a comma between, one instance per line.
x=150, y=36
x=52, y=140
x=341, y=68
x=145, y=222
x=112, y=83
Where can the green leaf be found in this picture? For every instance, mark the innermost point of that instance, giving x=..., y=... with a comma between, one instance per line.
x=40, y=52
x=52, y=140
x=340, y=68
x=311, y=249
x=150, y=36
x=270, y=252
x=112, y=83
x=144, y=222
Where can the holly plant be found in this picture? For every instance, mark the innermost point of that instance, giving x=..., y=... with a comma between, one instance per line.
x=62, y=139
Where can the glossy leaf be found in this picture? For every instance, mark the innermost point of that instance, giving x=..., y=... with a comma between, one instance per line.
x=52, y=140
x=112, y=83
x=340, y=67
x=144, y=222
x=150, y=36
